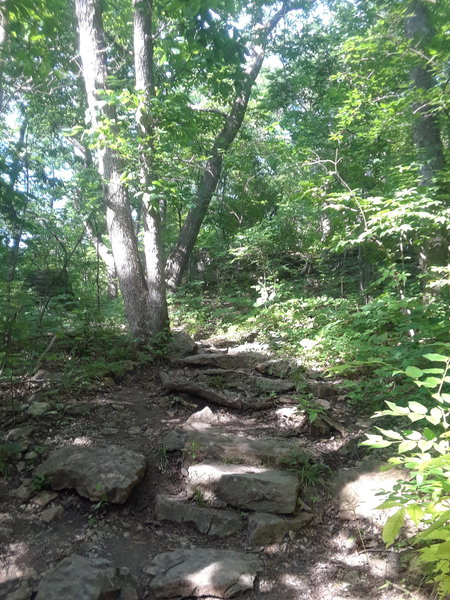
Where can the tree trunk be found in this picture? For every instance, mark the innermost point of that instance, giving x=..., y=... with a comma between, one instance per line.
x=92, y=234
x=179, y=257
x=130, y=272
x=427, y=137
x=426, y=132
x=153, y=239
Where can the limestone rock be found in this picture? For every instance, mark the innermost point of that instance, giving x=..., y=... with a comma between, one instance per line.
x=21, y=593
x=49, y=514
x=44, y=498
x=99, y=473
x=180, y=345
x=240, y=449
x=173, y=441
x=265, y=528
x=246, y=487
x=37, y=409
x=80, y=578
x=203, y=572
x=222, y=360
x=207, y=520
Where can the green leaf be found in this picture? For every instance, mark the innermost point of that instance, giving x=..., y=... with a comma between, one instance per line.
x=413, y=417
x=389, y=433
x=413, y=372
x=392, y=527
x=436, y=552
x=437, y=357
x=428, y=433
x=417, y=407
x=435, y=416
x=425, y=445
x=415, y=513
x=431, y=382
x=406, y=446
x=388, y=504
x=397, y=410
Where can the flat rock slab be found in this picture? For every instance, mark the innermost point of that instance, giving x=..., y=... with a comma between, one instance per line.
x=80, y=578
x=203, y=572
x=209, y=521
x=99, y=473
x=274, y=452
x=244, y=486
x=223, y=360
x=265, y=528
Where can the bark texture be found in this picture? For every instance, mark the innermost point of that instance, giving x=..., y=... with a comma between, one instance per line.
x=426, y=131
x=153, y=239
x=427, y=137
x=130, y=272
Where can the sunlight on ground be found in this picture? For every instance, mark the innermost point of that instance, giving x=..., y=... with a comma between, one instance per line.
x=12, y=567
x=82, y=441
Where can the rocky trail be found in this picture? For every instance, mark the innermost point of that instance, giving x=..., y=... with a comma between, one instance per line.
x=199, y=479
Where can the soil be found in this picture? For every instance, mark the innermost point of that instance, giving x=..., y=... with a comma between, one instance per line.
x=329, y=558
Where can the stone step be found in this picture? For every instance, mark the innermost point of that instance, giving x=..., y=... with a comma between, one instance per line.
x=210, y=521
x=269, y=451
x=263, y=528
x=243, y=486
x=203, y=572
x=80, y=578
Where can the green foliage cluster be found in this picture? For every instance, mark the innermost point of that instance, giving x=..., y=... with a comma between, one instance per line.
x=422, y=450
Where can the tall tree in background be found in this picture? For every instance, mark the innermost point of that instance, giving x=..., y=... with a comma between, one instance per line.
x=426, y=130
x=131, y=271
x=209, y=179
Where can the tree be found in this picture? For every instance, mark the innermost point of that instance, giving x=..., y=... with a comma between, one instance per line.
x=131, y=273
x=187, y=237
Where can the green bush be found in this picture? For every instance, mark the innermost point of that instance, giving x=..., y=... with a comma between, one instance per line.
x=423, y=451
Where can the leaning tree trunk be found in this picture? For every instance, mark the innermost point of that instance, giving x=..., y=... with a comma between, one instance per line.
x=426, y=131
x=130, y=272
x=179, y=256
x=153, y=240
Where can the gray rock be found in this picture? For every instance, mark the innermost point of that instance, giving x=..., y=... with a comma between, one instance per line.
x=32, y=455
x=37, y=409
x=239, y=449
x=180, y=345
x=202, y=417
x=264, y=528
x=321, y=389
x=21, y=593
x=49, y=514
x=80, y=578
x=173, y=441
x=222, y=360
x=243, y=381
x=24, y=492
x=203, y=572
x=243, y=486
x=209, y=521
x=20, y=433
x=44, y=498
x=99, y=473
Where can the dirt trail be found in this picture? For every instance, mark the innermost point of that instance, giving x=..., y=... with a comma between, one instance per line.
x=327, y=557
